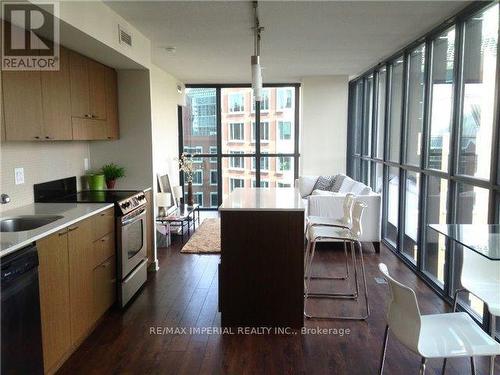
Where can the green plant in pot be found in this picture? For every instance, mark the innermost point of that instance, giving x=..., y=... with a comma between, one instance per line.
x=112, y=172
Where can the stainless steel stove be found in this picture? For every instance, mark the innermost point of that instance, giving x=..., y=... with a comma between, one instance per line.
x=131, y=227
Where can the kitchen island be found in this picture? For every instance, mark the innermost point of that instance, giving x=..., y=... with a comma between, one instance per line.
x=261, y=274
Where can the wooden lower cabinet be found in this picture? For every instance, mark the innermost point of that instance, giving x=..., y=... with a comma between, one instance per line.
x=103, y=223
x=54, y=297
x=77, y=277
x=104, y=286
x=80, y=246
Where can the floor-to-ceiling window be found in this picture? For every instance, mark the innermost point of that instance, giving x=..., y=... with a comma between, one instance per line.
x=218, y=129
x=430, y=114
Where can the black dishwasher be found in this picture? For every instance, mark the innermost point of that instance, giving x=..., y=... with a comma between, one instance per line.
x=21, y=334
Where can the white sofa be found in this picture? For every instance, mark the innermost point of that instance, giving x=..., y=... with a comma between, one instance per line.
x=330, y=204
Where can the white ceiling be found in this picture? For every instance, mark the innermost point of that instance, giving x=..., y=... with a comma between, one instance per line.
x=214, y=39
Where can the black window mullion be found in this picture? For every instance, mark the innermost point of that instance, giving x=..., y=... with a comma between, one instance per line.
x=218, y=105
x=257, y=144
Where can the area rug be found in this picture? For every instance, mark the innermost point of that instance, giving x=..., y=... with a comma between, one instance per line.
x=206, y=238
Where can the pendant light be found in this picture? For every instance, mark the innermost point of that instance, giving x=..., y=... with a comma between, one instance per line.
x=255, y=59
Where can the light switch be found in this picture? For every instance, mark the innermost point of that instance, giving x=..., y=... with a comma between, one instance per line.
x=19, y=175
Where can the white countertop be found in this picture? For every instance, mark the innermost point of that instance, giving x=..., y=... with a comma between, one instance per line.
x=263, y=199
x=71, y=212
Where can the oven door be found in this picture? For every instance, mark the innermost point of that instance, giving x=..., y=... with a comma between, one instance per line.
x=132, y=240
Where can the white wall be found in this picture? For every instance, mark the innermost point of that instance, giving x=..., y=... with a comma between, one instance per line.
x=323, y=125
x=42, y=161
x=134, y=148
x=164, y=102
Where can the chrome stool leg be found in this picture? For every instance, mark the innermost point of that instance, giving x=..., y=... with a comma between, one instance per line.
x=353, y=295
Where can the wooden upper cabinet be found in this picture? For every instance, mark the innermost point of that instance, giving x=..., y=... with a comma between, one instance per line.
x=113, y=129
x=56, y=101
x=77, y=102
x=22, y=105
x=80, y=85
x=97, y=93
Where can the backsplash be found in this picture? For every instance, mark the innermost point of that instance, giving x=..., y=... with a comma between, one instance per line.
x=42, y=161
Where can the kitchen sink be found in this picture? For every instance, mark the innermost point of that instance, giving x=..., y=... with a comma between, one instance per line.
x=26, y=222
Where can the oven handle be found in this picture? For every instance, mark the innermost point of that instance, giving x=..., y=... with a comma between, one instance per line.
x=135, y=218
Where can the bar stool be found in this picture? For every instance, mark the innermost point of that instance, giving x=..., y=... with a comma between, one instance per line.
x=344, y=222
x=329, y=233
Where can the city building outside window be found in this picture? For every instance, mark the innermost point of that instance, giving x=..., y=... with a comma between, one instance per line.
x=193, y=150
x=198, y=177
x=264, y=163
x=213, y=177
x=236, y=162
x=285, y=130
x=236, y=102
x=264, y=104
x=284, y=98
x=236, y=183
x=213, y=150
x=236, y=131
x=263, y=183
x=284, y=185
x=264, y=131
x=284, y=164
x=198, y=198
x=214, y=201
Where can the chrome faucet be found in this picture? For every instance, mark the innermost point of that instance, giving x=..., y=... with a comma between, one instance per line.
x=4, y=199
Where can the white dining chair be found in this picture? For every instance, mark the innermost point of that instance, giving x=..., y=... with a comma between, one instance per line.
x=333, y=233
x=480, y=276
x=447, y=335
x=343, y=222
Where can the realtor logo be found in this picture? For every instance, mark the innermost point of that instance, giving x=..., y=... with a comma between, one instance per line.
x=30, y=36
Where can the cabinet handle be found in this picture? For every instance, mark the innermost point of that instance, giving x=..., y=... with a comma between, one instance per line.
x=63, y=232
x=103, y=214
x=87, y=115
x=36, y=137
x=47, y=137
x=104, y=239
x=71, y=229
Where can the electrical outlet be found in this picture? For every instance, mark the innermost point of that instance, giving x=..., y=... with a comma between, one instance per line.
x=86, y=164
x=19, y=175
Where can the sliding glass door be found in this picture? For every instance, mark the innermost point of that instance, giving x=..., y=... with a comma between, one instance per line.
x=219, y=130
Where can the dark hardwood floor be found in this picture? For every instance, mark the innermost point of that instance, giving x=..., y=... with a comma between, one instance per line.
x=183, y=293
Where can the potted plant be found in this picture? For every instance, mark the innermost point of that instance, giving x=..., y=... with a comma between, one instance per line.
x=186, y=166
x=111, y=173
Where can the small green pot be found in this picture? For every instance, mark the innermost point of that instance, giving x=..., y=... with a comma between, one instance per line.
x=96, y=181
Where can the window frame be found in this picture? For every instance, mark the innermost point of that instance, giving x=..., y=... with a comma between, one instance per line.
x=453, y=179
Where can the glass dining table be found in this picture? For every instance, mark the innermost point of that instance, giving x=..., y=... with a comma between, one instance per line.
x=482, y=239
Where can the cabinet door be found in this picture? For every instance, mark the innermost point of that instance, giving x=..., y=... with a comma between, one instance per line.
x=22, y=103
x=104, y=248
x=104, y=287
x=56, y=101
x=80, y=278
x=113, y=131
x=79, y=83
x=103, y=223
x=88, y=130
x=97, y=84
x=54, y=297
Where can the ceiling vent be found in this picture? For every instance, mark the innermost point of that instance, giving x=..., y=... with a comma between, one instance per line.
x=124, y=37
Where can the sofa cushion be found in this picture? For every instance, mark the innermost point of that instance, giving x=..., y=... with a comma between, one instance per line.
x=359, y=188
x=338, y=182
x=324, y=183
x=306, y=185
x=346, y=185
x=323, y=192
